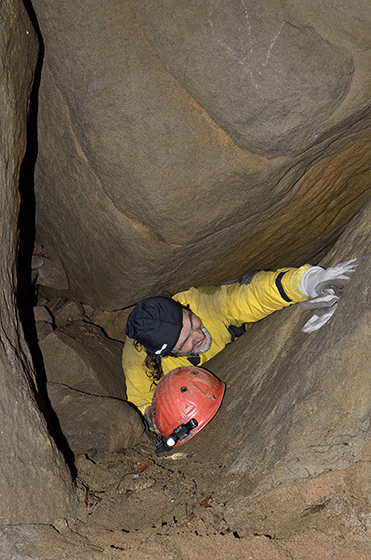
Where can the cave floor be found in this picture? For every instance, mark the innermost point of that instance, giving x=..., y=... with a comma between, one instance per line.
x=136, y=501
x=137, y=504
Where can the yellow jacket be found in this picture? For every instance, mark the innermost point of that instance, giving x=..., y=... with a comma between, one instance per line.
x=218, y=307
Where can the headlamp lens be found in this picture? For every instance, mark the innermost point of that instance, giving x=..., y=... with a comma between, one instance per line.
x=181, y=432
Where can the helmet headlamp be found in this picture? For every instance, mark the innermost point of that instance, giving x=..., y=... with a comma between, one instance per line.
x=179, y=434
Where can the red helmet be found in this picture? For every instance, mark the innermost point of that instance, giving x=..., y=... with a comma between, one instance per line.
x=185, y=400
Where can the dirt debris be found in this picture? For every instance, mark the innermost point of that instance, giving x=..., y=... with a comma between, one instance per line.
x=139, y=490
x=136, y=504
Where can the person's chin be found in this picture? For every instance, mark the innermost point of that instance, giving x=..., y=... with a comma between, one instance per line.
x=201, y=349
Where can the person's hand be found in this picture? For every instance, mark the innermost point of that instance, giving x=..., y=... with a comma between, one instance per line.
x=318, y=319
x=316, y=281
x=323, y=287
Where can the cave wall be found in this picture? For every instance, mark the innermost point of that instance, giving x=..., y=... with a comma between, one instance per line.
x=35, y=484
x=134, y=144
x=174, y=137
x=301, y=408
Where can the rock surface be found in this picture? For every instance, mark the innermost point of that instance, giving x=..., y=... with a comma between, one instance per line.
x=174, y=510
x=303, y=407
x=94, y=424
x=35, y=484
x=80, y=356
x=85, y=381
x=176, y=138
x=281, y=472
x=265, y=113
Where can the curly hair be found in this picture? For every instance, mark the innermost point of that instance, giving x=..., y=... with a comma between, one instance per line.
x=154, y=365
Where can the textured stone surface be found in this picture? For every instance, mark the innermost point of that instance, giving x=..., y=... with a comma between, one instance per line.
x=89, y=422
x=184, y=145
x=71, y=310
x=283, y=471
x=326, y=517
x=256, y=73
x=303, y=407
x=112, y=322
x=28, y=542
x=29, y=458
x=80, y=356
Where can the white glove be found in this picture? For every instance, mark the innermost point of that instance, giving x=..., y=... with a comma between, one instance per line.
x=317, y=280
x=319, y=318
x=324, y=286
x=327, y=300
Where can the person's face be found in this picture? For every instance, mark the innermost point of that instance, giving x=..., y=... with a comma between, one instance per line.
x=194, y=338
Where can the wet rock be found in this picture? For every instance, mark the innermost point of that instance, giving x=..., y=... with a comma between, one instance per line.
x=80, y=356
x=230, y=159
x=90, y=422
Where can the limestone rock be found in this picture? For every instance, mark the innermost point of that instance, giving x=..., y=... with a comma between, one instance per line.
x=43, y=329
x=68, y=312
x=325, y=505
x=303, y=407
x=43, y=541
x=80, y=356
x=54, y=304
x=267, y=104
x=44, y=323
x=90, y=422
x=42, y=313
x=112, y=322
x=185, y=145
x=35, y=484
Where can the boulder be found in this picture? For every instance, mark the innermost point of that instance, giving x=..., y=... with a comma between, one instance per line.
x=70, y=311
x=184, y=145
x=44, y=323
x=92, y=423
x=80, y=356
x=112, y=322
x=42, y=313
x=43, y=329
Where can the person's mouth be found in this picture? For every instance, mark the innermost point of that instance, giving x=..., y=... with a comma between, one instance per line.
x=201, y=341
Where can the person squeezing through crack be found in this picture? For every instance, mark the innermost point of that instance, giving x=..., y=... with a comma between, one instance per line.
x=168, y=339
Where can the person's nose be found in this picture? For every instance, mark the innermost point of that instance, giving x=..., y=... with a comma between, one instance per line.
x=197, y=324
x=198, y=336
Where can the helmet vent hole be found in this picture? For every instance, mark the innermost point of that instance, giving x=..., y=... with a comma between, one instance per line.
x=183, y=389
x=214, y=397
x=194, y=372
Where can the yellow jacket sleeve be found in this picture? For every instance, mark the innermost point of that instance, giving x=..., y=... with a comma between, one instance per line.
x=218, y=308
